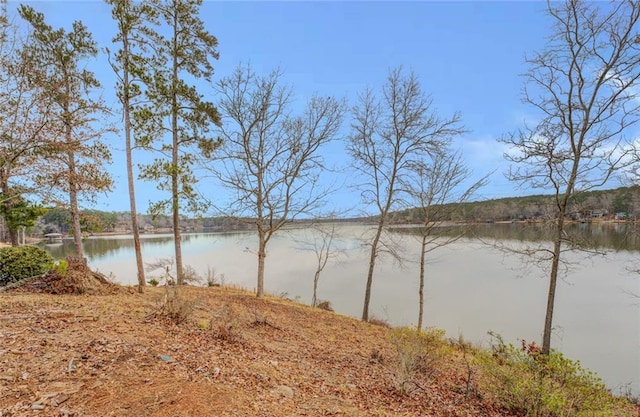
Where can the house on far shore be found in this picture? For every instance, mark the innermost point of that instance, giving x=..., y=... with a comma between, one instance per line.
x=622, y=215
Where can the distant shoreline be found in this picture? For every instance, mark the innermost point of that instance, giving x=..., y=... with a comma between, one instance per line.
x=599, y=221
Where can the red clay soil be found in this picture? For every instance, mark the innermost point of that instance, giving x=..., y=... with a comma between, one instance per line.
x=234, y=355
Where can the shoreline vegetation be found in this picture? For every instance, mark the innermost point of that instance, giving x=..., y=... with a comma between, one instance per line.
x=621, y=205
x=185, y=350
x=306, y=223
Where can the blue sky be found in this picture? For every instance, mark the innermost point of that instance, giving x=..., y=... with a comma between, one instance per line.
x=467, y=55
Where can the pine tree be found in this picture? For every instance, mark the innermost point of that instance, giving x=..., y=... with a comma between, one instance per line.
x=76, y=155
x=176, y=111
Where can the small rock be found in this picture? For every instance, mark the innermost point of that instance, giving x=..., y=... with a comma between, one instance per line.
x=283, y=390
x=65, y=412
x=59, y=399
x=37, y=406
x=166, y=358
x=216, y=372
x=71, y=366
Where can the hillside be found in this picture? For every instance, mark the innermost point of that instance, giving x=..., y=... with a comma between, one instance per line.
x=624, y=201
x=234, y=355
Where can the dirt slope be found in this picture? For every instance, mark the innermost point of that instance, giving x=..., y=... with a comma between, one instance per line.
x=113, y=355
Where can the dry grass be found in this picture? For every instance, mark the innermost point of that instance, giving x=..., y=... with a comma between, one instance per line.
x=110, y=357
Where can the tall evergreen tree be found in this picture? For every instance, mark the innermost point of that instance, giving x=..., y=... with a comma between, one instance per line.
x=76, y=156
x=176, y=111
x=129, y=65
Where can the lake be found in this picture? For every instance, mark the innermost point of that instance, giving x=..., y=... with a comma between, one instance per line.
x=471, y=287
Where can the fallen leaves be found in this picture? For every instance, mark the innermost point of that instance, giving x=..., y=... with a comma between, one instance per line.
x=98, y=356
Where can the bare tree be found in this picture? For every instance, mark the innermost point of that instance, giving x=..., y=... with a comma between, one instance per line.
x=438, y=190
x=388, y=137
x=320, y=239
x=584, y=86
x=76, y=154
x=271, y=159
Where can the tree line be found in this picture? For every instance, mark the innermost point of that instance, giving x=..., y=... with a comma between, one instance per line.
x=251, y=138
x=620, y=204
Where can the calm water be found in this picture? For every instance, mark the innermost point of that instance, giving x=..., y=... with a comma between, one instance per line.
x=471, y=287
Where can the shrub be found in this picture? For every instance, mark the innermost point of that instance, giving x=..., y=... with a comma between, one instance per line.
x=21, y=263
x=532, y=384
x=379, y=322
x=214, y=279
x=417, y=354
x=60, y=267
x=325, y=305
x=174, y=306
x=226, y=325
x=190, y=275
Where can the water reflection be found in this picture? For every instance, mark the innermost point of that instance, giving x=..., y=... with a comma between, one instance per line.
x=471, y=287
x=604, y=236
x=105, y=247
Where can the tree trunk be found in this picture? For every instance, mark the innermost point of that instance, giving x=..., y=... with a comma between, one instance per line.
x=73, y=198
x=132, y=193
x=553, y=280
x=176, y=219
x=421, y=285
x=316, y=278
x=13, y=233
x=73, y=181
x=262, y=254
x=75, y=218
x=175, y=201
x=372, y=265
x=136, y=241
x=13, y=236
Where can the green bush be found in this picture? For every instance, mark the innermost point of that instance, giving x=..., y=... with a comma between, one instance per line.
x=60, y=267
x=23, y=262
x=535, y=385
